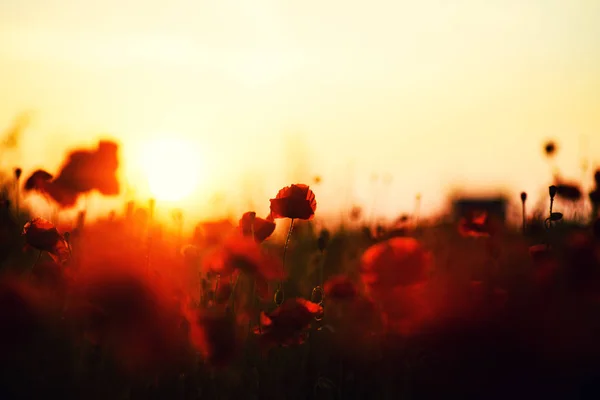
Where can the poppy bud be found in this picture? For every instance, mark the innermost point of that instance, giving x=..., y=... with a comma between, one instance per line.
x=552, y=190
x=18, y=172
x=523, y=196
x=550, y=148
x=323, y=240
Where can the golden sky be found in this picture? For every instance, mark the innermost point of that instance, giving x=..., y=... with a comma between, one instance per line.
x=433, y=93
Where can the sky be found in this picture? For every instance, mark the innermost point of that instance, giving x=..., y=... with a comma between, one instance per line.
x=426, y=95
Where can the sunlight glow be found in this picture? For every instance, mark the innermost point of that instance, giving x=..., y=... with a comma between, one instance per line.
x=172, y=168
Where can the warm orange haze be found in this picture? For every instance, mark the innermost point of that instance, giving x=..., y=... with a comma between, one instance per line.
x=280, y=199
x=431, y=94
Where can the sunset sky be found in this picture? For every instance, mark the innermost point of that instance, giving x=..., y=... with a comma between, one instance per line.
x=431, y=93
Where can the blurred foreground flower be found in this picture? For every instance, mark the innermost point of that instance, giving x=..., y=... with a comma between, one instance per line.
x=84, y=171
x=42, y=235
x=287, y=324
x=295, y=202
x=213, y=334
x=261, y=228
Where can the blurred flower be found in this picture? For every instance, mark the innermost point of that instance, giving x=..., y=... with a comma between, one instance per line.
x=340, y=288
x=523, y=196
x=355, y=213
x=43, y=236
x=18, y=172
x=138, y=319
x=286, y=324
x=400, y=261
x=263, y=228
x=295, y=201
x=242, y=253
x=213, y=333
x=211, y=233
x=550, y=148
x=323, y=239
x=83, y=172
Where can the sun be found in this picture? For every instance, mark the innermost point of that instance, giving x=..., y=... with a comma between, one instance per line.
x=172, y=168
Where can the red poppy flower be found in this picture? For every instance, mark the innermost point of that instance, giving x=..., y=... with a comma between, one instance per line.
x=295, y=201
x=399, y=261
x=286, y=324
x=138, y=319
x=83, y=171
x=340, y=288
x=214, y=334
x=242, y=253
x=43, y=235
x=211, y=233
x=263, y=228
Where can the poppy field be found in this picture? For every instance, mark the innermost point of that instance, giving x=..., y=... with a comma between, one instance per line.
x=127, y=307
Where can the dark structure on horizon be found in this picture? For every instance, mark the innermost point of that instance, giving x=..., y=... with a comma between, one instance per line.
x=492, y=205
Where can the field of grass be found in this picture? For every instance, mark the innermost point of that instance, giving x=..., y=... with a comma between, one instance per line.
x=122, y=308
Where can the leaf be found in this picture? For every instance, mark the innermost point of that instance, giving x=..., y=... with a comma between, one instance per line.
x=556, y=216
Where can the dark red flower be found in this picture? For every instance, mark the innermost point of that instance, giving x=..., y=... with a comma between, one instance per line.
x=245, y=254
x=83, y=172
x=43, y=235
x=210, y=233
x=214, y=334
x=37, y=179
x=138, y=319
x=399, y=261
x=263, y=228
x=295, y=201
x=340, y=288
x=286, y=325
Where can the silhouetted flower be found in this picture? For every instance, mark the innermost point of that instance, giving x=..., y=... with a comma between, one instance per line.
x=295, y=201
x=36, y=180
x=550, y=148
x=18, y=172
x=263, y=228
x=523, y=196
x=43, y=235
x=286, y=324
x=84, y=171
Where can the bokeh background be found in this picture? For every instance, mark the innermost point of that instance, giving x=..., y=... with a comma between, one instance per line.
x=424, y=95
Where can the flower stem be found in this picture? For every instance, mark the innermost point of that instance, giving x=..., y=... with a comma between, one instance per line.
x=280, y=294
